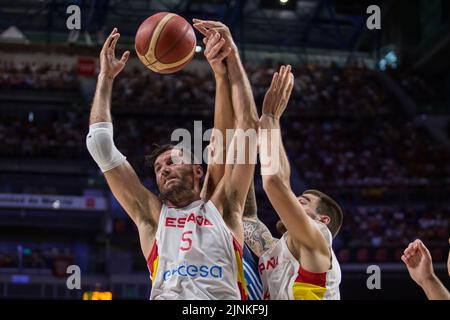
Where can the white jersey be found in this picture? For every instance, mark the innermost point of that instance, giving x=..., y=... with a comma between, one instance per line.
x=195, y=256
x=284, y=279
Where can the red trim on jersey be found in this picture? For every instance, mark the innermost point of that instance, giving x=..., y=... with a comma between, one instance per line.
x=242, y=286
x=152, y=257
x=318, y=279
x=237, y=246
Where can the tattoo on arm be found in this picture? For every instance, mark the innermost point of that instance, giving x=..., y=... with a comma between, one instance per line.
x=257, y=236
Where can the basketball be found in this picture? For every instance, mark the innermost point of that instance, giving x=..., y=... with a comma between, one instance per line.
x=165, y=42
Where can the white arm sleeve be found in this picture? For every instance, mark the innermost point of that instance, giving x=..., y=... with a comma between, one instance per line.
x=100, y=144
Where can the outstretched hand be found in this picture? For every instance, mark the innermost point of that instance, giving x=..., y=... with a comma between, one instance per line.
x=216, y=51
x=418, y=261
x=279, y=92
x=205, y=26
x=110, y=66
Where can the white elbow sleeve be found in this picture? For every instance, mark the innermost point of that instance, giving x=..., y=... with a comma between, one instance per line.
x=100, y=144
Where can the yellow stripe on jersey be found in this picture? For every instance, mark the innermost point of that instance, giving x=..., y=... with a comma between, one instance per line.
x=241, y=279
x=307, y=291
x=238, y=252
x=155, y=267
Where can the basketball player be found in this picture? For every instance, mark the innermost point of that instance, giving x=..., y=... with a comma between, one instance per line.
x=418, y=260
x=224, y=119
x=193, y=247
x=301, y=265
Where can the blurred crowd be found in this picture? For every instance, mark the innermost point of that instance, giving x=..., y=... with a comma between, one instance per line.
x=35, y=256
x=37, y=76
x=328, y=91
x=381, y=234
x=425, y=91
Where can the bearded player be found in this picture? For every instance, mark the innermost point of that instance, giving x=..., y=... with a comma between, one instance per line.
x=193, y=245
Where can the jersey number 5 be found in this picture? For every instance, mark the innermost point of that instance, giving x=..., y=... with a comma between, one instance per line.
x=186, y=240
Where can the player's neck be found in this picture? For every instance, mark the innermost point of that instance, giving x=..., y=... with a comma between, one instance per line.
x=184, y=202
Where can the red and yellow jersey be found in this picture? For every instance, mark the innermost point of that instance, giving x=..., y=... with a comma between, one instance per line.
x=195, y=256
x=284, y=278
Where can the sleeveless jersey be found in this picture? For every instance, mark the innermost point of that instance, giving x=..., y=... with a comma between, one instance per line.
x=284, y=279
x=195, y=256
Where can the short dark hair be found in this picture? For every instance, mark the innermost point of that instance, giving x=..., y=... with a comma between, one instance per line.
x=157, y=151
x=327, y=206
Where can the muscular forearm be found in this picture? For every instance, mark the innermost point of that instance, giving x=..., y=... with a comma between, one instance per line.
x=434, y=289
x=223, y=113
x=101, y=107
x=271, y=128
x=285, y=172
x=250, y=208
x=241, y=94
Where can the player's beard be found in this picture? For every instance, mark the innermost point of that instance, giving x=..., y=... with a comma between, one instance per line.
x=180, y=190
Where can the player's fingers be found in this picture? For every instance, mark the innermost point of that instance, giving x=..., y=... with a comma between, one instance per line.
x=216, y=48
x=201, y=29
x=110, y=54
x=223, y=30
x=286, y=77
x=410, y=245
x=273, y=85
x=405, y=260
x=287, y=70
x=108, y=40
x=280, y=78
x=422, y=249
x=114, y=41
x=210, y=24
x=125, y=57
x=409, y=252
x=415, y=259
x=195, y=20
x=213, y=37
x=290, y=86
x=223, y=54
x=410, y=248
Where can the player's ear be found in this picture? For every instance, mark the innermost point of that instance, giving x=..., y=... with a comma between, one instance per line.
x=198, y=171
x=325, y=219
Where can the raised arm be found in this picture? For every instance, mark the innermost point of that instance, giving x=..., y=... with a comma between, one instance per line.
x=215, y=52
x=232, y=190
x=245, y=113
x=256, y=234
x=142, y=206
x=303, y=231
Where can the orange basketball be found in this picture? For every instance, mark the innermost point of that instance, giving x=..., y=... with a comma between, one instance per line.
x=165, y=42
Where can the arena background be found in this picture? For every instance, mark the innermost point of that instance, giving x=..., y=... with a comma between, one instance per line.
x=368, y=123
